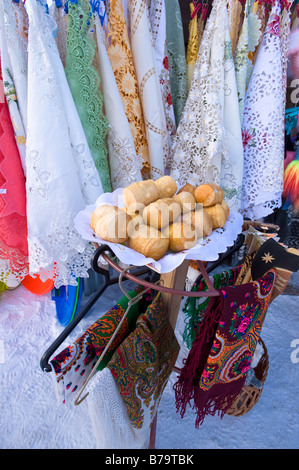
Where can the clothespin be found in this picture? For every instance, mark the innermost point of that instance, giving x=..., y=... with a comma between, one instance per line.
x=197, y=7
x=58, y=3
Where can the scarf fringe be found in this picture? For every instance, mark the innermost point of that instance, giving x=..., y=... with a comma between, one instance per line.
x=184, y=387
x=216, y=405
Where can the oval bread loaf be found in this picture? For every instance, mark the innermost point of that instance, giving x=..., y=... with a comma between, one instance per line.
x=181, y=236
x=166, y=186
x=149, y=241
x=218, y=215
x=208, y=194
x=160, y=213
x=111, y=223
x=140, y=194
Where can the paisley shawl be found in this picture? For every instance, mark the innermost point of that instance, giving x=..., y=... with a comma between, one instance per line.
x=217, y=365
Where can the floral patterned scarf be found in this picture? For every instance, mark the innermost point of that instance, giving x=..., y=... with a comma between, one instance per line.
x=217, y=365
x=123, y=398
x=195, y=307
x=143, y=362
x=72, y=365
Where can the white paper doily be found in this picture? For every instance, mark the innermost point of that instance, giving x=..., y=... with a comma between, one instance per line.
x=206, y=249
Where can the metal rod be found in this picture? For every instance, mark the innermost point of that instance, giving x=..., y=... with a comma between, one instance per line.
x=211, y=293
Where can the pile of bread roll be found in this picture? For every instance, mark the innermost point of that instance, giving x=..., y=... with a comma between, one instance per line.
x=157, y=218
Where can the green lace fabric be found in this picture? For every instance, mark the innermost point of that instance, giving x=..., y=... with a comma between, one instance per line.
x=84, y=83
x=194, y=308
x=176, y=57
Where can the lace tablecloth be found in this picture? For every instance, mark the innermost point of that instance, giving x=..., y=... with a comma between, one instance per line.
x=206, y=249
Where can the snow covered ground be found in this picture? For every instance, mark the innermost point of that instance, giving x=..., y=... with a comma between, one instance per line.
x=31, y=419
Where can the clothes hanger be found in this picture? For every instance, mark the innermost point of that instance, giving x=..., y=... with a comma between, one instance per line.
x=132, y=301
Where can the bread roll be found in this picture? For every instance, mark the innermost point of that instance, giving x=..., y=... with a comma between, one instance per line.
x=111, y=223
x=166, y=186
x=187, y=201
x=140, y=194
x=181, y=236
x=208, y=194
x=160, y=213
x=226, y=208
x=188, y=187
x=218, y=215
x=200, y=221
x=149, y=241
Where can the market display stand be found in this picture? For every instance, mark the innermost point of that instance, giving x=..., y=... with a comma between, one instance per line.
x=172, y=288
x=171, y=285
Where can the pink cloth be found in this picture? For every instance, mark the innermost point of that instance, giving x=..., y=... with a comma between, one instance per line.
x=13, y=221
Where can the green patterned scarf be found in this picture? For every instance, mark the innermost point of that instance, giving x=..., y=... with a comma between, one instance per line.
x=84, y=82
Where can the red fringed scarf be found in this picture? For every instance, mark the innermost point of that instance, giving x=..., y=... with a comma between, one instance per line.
x=216, y=367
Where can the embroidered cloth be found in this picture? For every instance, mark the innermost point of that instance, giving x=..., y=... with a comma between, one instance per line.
x=84, y=83
x=194, y=307
x=216, y=367
x=263, y=122
x=120, y=55
x=149, y=87
x=72, y=366
x=139, y=369
x=125, y=165
x=13, y=44
x=13, y=221
x=176, y=57
x=208, y=142
x=61, y=174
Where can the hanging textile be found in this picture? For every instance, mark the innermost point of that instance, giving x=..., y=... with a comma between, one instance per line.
x=60, y=16
x=13, y=222
x=72, y=365
x=158, y=27
x=217, y=365
x=256, y=27
x=176, y=57
x=208, y=144
x=241, y=61
x=120, y=55
x=194, y=308
x=193, y=45
x=84, y=83
x=234, y=19
x=149, y=88
x=125, y=165
x=61, y=175
x=13, y=26
x=124, y=398
x=263, y=124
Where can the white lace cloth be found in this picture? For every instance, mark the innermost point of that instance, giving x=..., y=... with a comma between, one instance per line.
x=14, y=70
x=158, y=26
x=206, y=249
x=109, y=417
x=149, y=87
x=124, y=164
x=208, y=143
x=61, y=176
x=263, y=122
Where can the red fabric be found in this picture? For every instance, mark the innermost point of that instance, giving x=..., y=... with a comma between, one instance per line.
x=13, y=220
x=217, y=364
